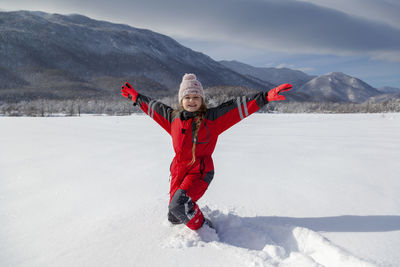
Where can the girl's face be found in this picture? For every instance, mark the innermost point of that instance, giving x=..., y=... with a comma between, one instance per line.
x=192, y=102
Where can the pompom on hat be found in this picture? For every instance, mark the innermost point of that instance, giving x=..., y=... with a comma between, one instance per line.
x=190, y=85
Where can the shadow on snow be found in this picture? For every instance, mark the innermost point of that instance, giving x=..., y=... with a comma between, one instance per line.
x=292, y=233
x=345, y=223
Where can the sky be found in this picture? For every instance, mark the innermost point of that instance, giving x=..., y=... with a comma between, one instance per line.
x=358, y=37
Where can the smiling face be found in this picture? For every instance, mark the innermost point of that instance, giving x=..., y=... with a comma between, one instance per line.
x=191, y=102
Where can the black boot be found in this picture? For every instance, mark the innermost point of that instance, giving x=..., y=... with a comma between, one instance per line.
x=172, y=219
x=207, y=222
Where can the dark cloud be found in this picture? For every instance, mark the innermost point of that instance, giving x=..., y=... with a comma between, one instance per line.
x=298, y=25
x=280, y=25
x=284, y=25
x=386, y=11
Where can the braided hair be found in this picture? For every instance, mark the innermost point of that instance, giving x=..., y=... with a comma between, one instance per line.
x=200, y=115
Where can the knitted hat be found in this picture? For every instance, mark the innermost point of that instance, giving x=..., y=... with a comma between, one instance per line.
x=190, y=85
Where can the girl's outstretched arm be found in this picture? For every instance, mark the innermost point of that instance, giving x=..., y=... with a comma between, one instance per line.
x=231, y=112
x=158, y=111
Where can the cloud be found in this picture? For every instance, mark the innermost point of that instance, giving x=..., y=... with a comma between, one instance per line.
x=294, y=67
x=390, y=56
x=286, y=26
x=385, y=11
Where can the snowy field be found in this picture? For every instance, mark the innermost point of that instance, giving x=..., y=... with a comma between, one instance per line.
x=289, y=190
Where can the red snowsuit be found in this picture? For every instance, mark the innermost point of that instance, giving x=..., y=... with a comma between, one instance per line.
x=190, y=181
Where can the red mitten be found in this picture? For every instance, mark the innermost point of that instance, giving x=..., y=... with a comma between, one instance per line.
x=273, y=94
x=128, y=92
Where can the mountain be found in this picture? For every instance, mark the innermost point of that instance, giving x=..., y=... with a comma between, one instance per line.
x=61, y=56
x=388, y=89
x=337, y=87
x=385, y=97
x=275, y=75
x=332, y=87
x=387, y=94
x=56, y=56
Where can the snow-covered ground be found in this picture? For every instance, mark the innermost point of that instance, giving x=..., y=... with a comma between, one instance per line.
x=289, y=190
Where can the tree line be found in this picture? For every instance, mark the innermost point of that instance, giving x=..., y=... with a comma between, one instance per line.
x=116, y=105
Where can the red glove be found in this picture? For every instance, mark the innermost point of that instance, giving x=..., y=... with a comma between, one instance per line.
x=128, y=92
x=273, y=94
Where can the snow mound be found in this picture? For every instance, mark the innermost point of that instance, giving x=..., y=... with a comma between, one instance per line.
x=261, y=242
x=183, y=237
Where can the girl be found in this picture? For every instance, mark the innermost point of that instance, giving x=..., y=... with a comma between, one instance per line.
x=195, y=129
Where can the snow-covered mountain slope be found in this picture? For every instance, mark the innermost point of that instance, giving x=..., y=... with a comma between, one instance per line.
x=332, y=87
x=384, y=97
x=388, y=89
x=52, y=56
x=289, y=190
x=338, y=87
x=388, y=93
x=275, y=75
x=34, y=45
